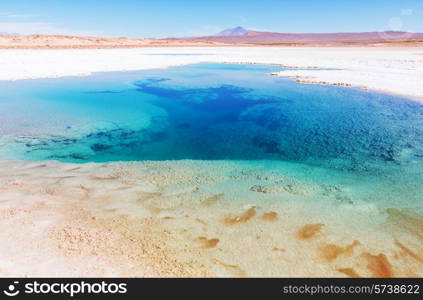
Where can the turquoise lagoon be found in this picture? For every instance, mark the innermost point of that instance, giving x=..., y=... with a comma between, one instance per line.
x=369, y=143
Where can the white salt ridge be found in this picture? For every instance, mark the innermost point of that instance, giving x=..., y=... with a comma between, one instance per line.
x=394, y=70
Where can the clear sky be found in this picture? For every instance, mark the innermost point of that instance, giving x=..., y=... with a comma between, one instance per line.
x=174, y=18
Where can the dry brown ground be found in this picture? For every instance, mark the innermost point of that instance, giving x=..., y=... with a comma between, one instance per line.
x=74, y=42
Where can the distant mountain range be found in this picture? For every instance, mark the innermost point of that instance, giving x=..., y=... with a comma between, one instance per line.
x=237, y=36
x=241, y=35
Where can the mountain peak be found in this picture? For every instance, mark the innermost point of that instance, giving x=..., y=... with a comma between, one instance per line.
x=236, y=31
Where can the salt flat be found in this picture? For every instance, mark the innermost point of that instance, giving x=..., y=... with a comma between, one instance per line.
x=395, y=70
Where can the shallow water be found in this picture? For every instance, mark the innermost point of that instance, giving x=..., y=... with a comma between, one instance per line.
x=368, y=143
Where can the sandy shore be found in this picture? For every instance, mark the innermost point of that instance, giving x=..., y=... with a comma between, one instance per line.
x=189, y=219
x=395, y=70
x=39, y=41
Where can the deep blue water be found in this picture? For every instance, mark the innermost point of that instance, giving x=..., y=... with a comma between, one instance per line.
x=210, y=112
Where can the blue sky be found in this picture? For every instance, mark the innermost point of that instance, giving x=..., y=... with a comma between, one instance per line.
x=166, y=18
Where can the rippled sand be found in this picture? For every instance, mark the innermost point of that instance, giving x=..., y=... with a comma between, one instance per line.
x=189, y=219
